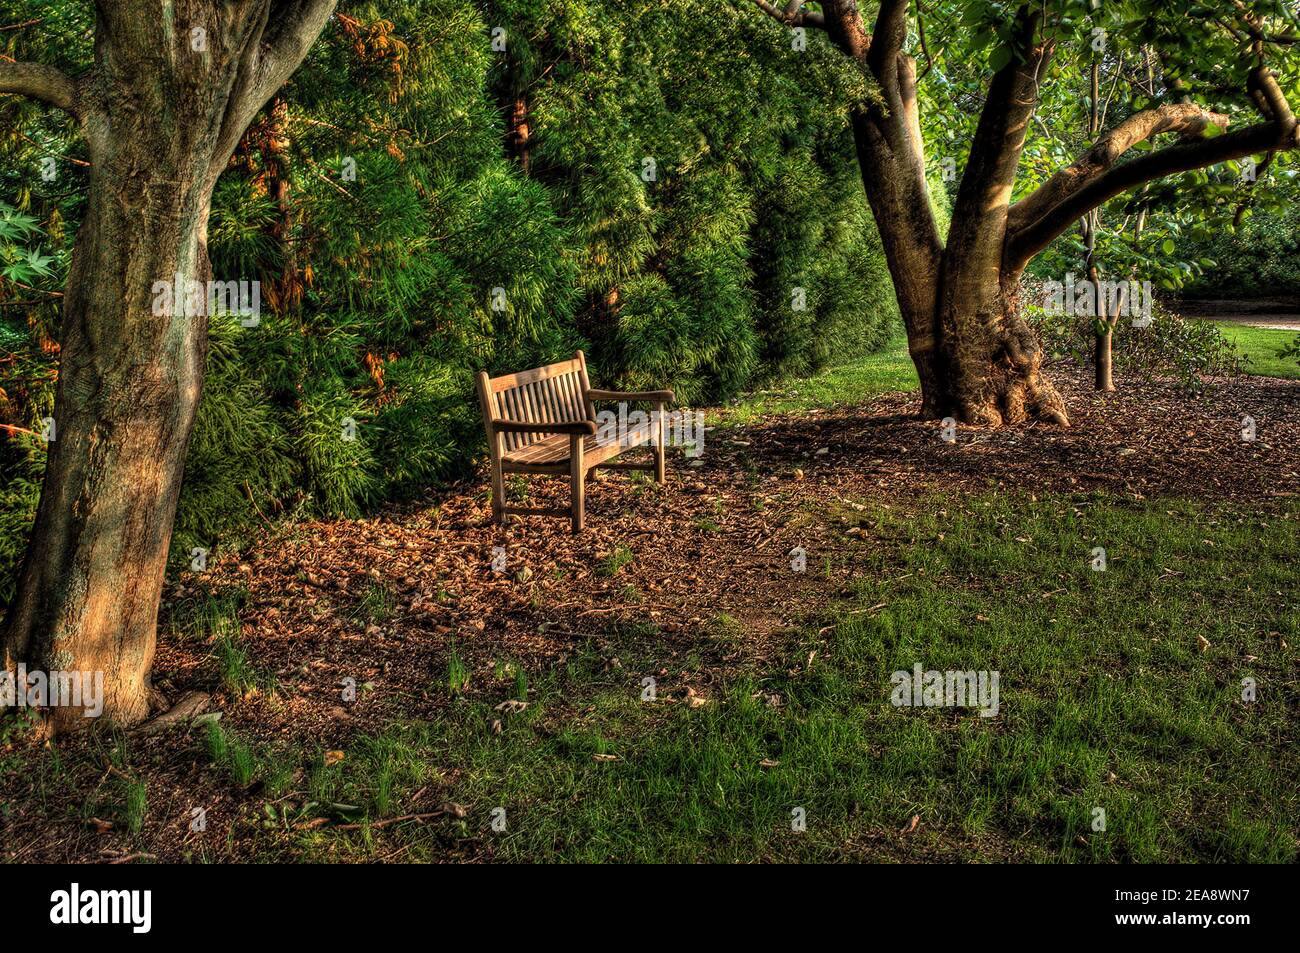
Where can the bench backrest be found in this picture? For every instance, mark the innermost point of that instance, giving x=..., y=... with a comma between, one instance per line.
x=556, y=393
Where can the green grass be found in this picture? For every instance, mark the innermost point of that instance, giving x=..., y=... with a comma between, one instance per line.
x=1119, y=691
x=890, y=369
x=615, y=561
x=458, y=675
x=239, y=676
x=1107, y=700
x=1261, y=347
x=377, y=604
x=214, y=617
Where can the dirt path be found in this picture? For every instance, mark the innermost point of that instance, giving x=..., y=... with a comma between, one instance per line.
x=1264, y=313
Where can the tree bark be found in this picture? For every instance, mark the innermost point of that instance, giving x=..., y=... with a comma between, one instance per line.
x=887, y=138
x=519, y=134
x=128, y=389
x=161, y=111
x=1103, y=377
x=976, y=358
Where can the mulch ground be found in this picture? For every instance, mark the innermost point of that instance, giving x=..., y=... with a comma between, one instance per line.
x=715, y=540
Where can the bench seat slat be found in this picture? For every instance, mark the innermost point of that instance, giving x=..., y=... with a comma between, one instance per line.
x=555, y=448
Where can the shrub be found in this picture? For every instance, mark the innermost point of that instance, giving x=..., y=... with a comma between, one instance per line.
x=1188, y=352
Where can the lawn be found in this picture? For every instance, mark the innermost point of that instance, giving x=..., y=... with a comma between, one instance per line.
x=889, y=369
x=1121, y=692
x=1261, y=346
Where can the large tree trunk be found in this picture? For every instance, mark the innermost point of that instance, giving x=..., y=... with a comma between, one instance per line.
x=994, y=356
x=128, y=389
x=900, y=205
x=977, y=360
x=976, y=357
x=161, y=111
x=887, y=137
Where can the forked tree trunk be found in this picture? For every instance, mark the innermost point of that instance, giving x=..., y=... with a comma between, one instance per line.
x=977, y=360
x=976, y=357
x=161, y=110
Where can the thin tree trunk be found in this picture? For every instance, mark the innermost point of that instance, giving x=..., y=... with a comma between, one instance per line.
x=1103, y=378
x=519, y=134
x=1104, y=324
x=286, y=287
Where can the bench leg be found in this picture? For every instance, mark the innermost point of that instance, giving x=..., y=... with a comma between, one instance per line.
x=498, y=495
x=660, y=469
x=577, y=476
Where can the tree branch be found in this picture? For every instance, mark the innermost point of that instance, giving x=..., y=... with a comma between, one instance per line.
x=793, y=14
x=1094, y=179
x=274, y=48
x=292, y=27
x=1182, y=157
x=980, y=212
x=1184, y=118
x=45, y=83
x=888, y=37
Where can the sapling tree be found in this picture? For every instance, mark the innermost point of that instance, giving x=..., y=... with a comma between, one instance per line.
x=1223, y=69
x=171, y=89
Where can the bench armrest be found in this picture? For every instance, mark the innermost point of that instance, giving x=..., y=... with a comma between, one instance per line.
x=580, y=427
x=664, y=395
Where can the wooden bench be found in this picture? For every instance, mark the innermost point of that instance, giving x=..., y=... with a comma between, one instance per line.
x=544, y=421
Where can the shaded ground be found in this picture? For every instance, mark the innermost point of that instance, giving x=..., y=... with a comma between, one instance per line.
x=689, y=582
